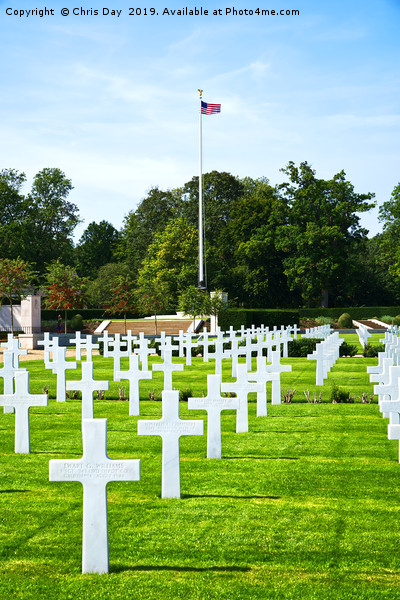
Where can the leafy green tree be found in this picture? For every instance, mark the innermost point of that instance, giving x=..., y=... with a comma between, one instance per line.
x=101, y=290
x=16, y=278
x=141, y=225
x=37, y=227
x=153, y=297
x=95, y=248
x=122, y=299
x=256, y=271
x=322, y=224
x=194, y=302
x=389, y=215
x=220, y=192
x=64, y=289
x=14, y=210
x=172, y=259
x=52, y=218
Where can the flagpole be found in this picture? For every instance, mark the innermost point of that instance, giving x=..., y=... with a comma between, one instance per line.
x=201, y=285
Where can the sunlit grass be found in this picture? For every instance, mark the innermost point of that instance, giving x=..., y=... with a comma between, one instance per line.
x=305, y=505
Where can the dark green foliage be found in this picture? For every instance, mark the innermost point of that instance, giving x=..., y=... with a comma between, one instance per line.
x=345, y=321
x=95, y=248
x=88, y=314
x=357, y=312
x=185, y=394
x=236, y=317
x=302, y=346
x=76, y=323
x=347, y=349
x=370, y=351
x=339, y=395
x=396, y=320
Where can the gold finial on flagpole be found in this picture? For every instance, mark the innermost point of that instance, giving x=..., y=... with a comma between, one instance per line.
x=200, y=92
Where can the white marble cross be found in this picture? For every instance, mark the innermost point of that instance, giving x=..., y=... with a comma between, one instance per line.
x=275, y=368
x=21, y=401
x=130, y=340
x=219, y=353
x=144, y=351
x=134, y=375
x=12, y=345
x=242, y=387
x=7, y=373
x=87, y=385
x=84, y=344
x=50, y=346
x=389, y=389
x=119, y=350
x=235, y=352
x=170, y=427
x=181, y=340
x=189, y=342
x=261, y=376
x=213, y=403
x=167, y=367
x=166, y=345
x=58, y=366
x=94, y=470
x=204, y=341
x=106, y=339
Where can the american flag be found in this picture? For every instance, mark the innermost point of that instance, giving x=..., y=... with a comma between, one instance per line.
x=210, y=109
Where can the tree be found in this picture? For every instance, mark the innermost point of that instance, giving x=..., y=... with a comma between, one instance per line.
x=64, y=288
x=95, y=248
x=16, y=278
x=14, y=210
x=52, y=218
x=220, y=192
x=256, y=269
x=141, y=225
x=172, y=259
x=321, y=226
x=123, y=297
x=194, y=302
x=37, y=227
x=389, y=215
x=154, y=297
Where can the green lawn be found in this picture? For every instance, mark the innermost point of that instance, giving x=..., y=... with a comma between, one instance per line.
x=304, y=506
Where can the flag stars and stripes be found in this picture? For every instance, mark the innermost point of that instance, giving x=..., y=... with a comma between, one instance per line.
x=207, y=108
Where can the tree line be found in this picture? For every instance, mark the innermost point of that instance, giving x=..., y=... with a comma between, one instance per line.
x=299, y=243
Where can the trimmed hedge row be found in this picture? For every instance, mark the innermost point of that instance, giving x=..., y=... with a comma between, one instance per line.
x=88, y=314
x=356, y=312
x=248, y=317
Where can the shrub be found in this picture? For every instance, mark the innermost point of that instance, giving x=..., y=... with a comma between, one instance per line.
x=338, y=395
x=76, y=323
x=184, y=395
x=302, y=347
x=386, y=319
x=396, y=320
x=347, y=349
x=324, y=321
x=370, y=351
x=345, y=321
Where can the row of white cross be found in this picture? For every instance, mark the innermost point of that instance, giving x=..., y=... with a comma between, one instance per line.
x=326, y=354
x=386, y=376
x=95, y=469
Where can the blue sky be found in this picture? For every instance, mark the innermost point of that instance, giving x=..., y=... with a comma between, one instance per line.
x=113, y=101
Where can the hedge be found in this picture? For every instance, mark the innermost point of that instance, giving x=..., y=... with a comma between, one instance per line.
x=356, y=312
x=236, y=317
x=88, y=314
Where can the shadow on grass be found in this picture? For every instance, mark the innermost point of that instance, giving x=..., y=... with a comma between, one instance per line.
x=184, y=496
x=14, y=491
x=223, y=569
x=261, y=458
